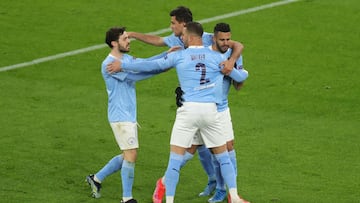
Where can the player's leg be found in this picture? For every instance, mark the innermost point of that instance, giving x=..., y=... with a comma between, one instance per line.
x=113, y=166
x=205, y=158
x=227, y=171
x=183, y=131
x=225, y=121
x=95, y=180
x=220, y=191
x=232, y=154
x=127, y=138
x=127, y=173
x=212, y=134
x=159, y=191
x=172, y=173
x=226, y=118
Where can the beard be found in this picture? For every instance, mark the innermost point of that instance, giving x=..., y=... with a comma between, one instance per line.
x=123, y=50
x=220, y=49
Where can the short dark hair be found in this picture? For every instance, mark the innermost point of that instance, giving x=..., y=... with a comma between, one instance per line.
x=113, y=34
x=195, y=28
x=222, y=27
x=182, y=14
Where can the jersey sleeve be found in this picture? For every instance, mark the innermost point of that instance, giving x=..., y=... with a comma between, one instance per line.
x=137, y=76
x=238, y=73
x=161, y=64
x=173, y=40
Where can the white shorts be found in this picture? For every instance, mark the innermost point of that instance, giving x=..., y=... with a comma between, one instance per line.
x=197, y=140
x=227, y=128
x=126, y=135
x=193, y=117
x=225, y=119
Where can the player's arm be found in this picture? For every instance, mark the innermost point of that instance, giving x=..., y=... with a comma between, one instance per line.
x=238, y=75
x=147, y=38
x=161, y=64
x=141, y=75
x=114, y=67
x=147, y=66
x=237, y=49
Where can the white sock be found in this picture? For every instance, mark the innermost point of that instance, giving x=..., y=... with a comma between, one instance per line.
x=96, y=179
x=234, y=194
x=125, y=199
x=169, y=199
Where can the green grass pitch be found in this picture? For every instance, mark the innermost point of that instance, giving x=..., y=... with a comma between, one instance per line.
x=296, y=120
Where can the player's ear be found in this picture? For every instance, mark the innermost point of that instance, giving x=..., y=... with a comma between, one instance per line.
x=113, y=43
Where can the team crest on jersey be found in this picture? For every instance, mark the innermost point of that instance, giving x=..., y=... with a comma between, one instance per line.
x=131, y=141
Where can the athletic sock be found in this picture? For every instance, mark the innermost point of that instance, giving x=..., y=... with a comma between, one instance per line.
x=227, y=169
x=187, y=156
x=127, y=178
x=172, y=173
x=220, y=184
x=111, y=167
x=205, y=157
x=169, y=199
x=232, y=155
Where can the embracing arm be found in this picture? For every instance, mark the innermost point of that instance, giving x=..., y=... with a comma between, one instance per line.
x=147, y=38
x=115, y=66
x=141, y=75
x=146, y=66
x=237, y=49
x=238, y=75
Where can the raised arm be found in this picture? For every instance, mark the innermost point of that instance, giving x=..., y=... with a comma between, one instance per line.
x=237, y=49
x=147, y=38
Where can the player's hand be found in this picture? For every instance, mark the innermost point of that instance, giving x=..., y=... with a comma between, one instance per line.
x=114, y=67
x=130, y=35
x=227, y=65
x=238, y=85
x=179, y=99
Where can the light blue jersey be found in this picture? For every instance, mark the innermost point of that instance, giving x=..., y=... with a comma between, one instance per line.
x=228, y=80
x=197, y=69
x=121, y=90
x=173, y=40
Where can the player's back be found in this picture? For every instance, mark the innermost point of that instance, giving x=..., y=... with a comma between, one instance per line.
x=199, y=75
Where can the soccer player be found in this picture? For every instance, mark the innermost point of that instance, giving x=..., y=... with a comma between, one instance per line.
x=222, y=34
x=201, y=80
x=121, y=114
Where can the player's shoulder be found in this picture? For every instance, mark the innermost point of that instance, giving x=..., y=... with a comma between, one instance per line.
x=108, y=59
x=127, y=58
x=172, y=40
x=207, y=39
x=207, y=34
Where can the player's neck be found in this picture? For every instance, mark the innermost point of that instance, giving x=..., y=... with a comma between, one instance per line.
x=214, y=48
x=116, y=54
x=196, y=43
